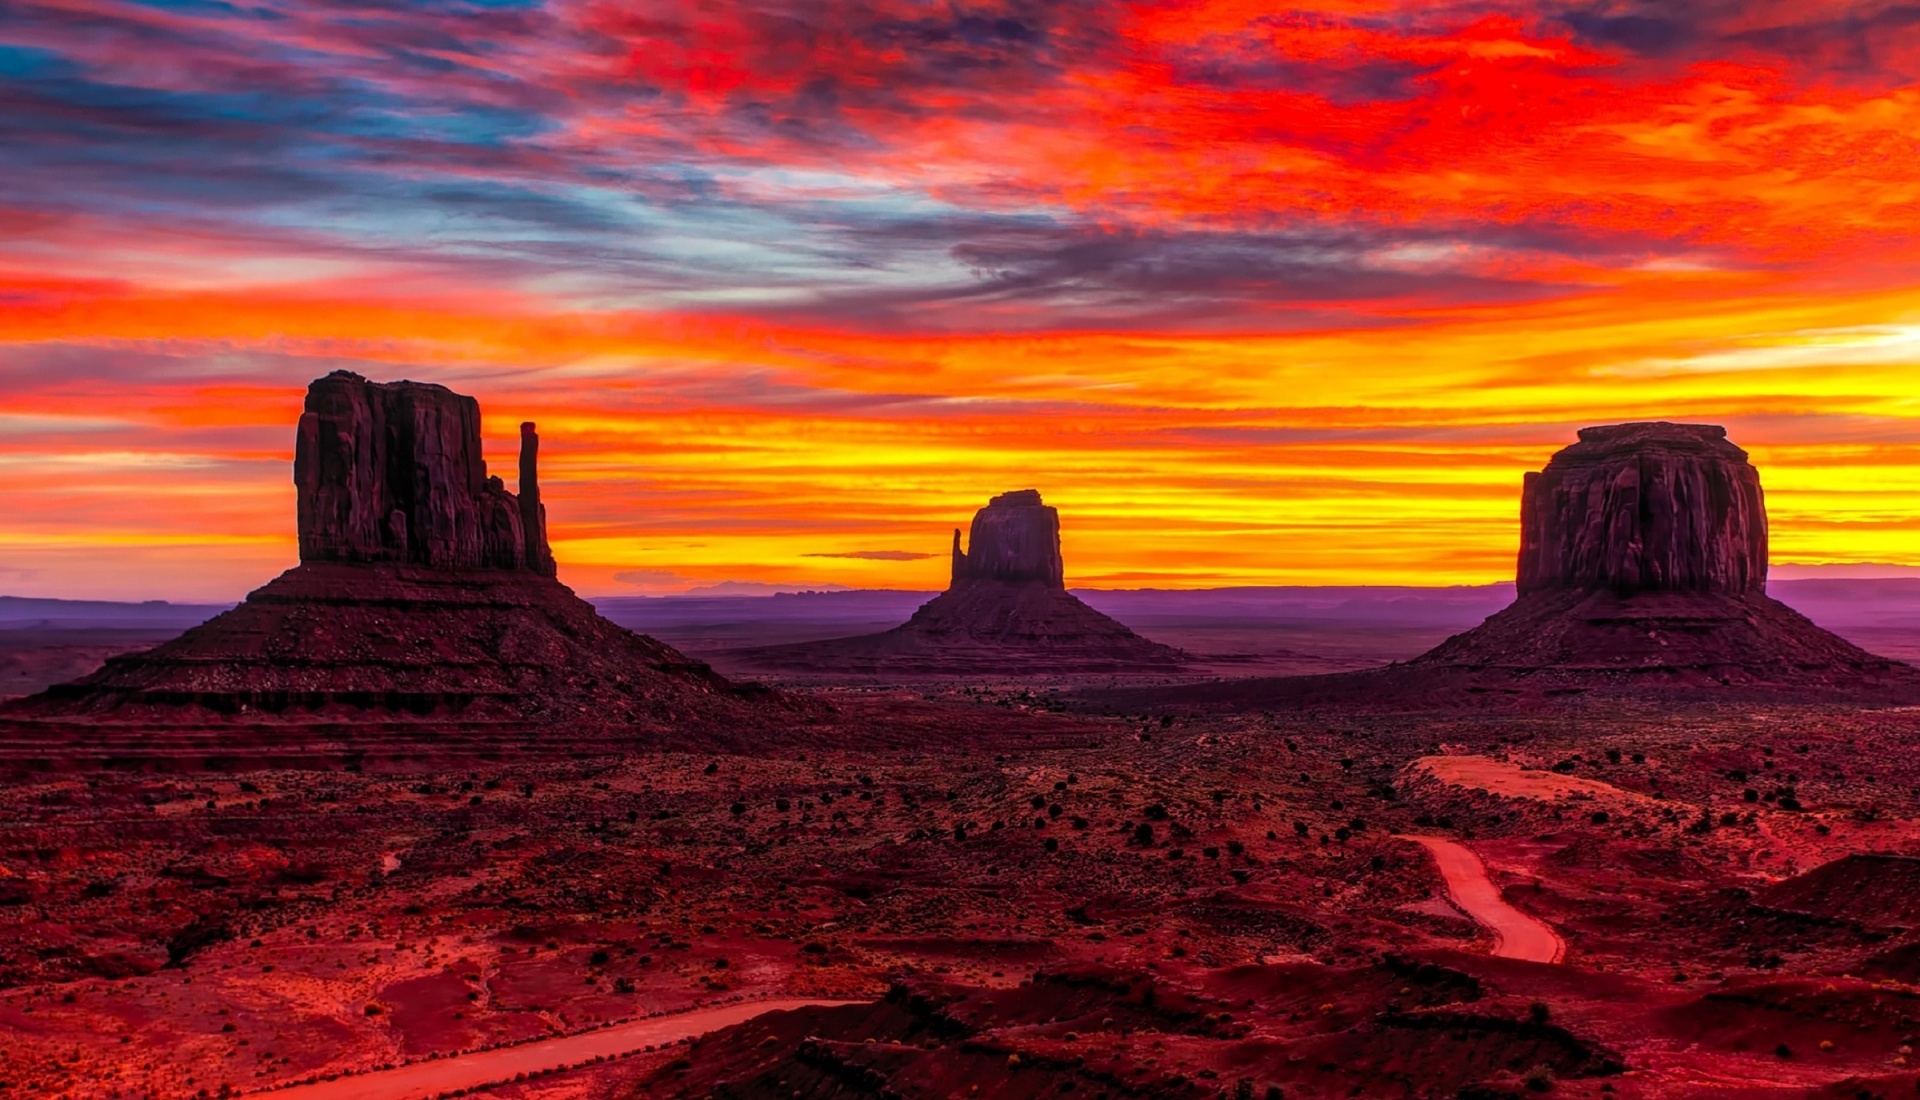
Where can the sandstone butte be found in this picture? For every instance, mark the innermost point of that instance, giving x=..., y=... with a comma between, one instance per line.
x=1642, y=567
x=426, y=593
x=1643, y=555
x=1006, y=611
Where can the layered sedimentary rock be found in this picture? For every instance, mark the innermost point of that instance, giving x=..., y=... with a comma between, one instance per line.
x=1007, y=610
x=1645, y=508
x=392, y=473
x=426, y=590
x=1015, y=539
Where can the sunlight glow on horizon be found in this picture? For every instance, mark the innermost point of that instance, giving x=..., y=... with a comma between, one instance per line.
x=1254, y=298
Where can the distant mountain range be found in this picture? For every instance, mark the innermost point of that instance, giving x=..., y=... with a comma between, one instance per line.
x=1839, y=601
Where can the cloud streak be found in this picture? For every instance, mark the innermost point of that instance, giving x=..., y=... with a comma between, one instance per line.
x=875, y=555
x=1269, y=294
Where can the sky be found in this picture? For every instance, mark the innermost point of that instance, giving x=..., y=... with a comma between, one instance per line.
x=1255, y=294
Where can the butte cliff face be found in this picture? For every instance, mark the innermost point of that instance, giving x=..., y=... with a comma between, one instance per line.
x=392, y=472
x=426, y=593
x=1007, y=610
x=1015, y=540
x=1645, y=508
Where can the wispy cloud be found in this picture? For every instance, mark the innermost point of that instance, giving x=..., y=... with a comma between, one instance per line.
x=875, y=555
x=1286, y=293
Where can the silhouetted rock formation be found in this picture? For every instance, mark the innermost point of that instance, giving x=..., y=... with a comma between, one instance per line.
x=392, y=472
x=1644, y=556
x=1015, y=539
x=1006, y=611
x=533, y=514
x=426, y=590
x=1645, y=508
x=1642, y=565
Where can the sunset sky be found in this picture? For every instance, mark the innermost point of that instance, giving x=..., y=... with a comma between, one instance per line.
x=1255, y=294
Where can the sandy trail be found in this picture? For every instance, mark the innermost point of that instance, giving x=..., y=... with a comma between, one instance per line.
x=1515, y=934
x=466, y=1071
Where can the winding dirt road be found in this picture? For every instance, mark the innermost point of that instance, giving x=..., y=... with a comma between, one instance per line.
x=466, y=1071
x=1515, y=934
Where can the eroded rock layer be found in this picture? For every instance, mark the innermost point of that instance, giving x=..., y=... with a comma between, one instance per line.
x=1645, y=508
x=392, y=472
x=327, y=637
x=1015, y=540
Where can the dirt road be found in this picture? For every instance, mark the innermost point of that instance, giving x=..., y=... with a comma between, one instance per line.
x=424, y=1079
x=1515, y=934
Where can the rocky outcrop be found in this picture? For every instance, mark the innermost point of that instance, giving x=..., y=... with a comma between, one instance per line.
x=392, y=473
x=426, y=593
x=1652, y=507
x=1642, y=567
x=1643, y=562
x=1015, y=539
x=1006, y=611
